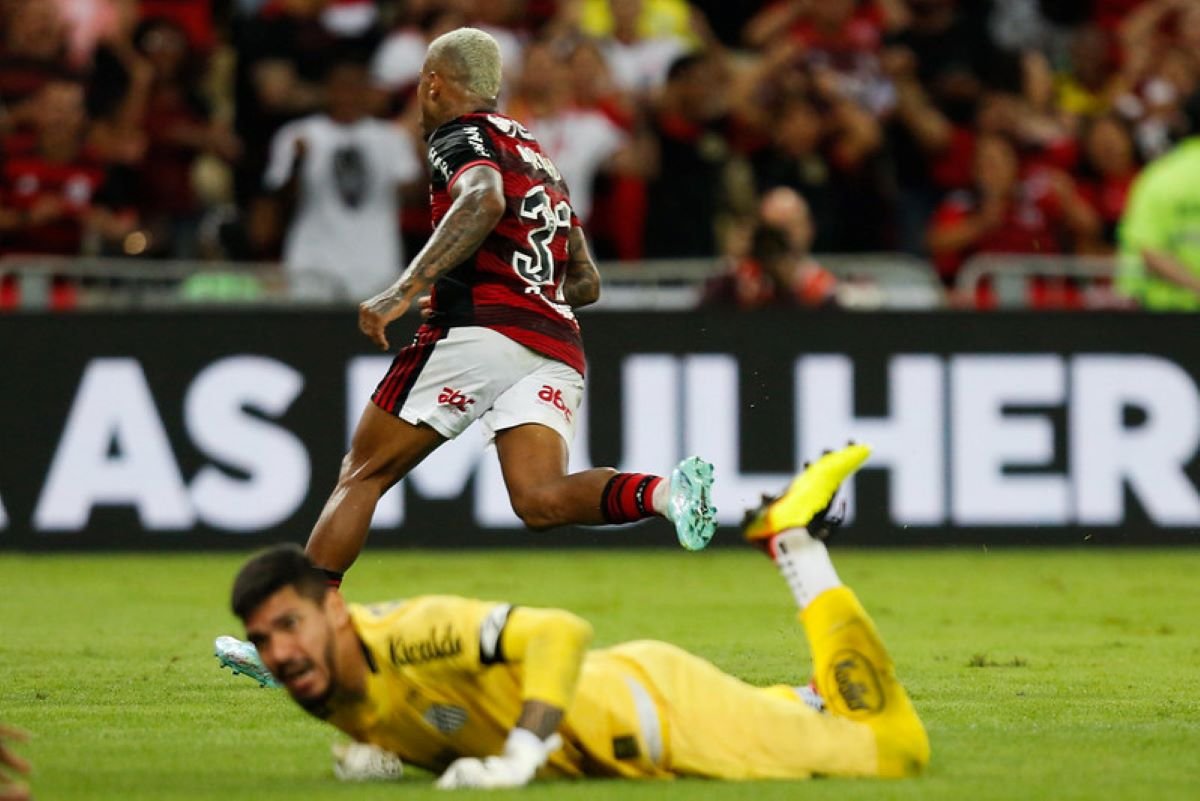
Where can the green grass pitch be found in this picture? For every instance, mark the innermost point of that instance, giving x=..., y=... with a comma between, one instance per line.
x=1044, y=674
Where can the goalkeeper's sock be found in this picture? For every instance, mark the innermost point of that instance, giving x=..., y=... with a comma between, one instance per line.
x=632, y=496
x=805, y=565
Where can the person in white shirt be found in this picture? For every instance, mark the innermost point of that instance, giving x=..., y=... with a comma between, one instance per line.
x=580, y=141
x=342, y=169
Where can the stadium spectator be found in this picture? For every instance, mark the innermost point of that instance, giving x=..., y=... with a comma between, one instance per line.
x=56, y=196
x=1160, y=253
x=1109, y=168
x=90, y=23
x=178, y=126
x=341, y=172
x=33, y=54
x=826, y=146
x=629, y=20
x=620, y=202
x=582, y=142
x=1092, y=83
x=506, y=692
x=918, y=134
x=193, y=17
x=689, y=189
x=1005, y=212
x=842, y=37
x=10, y=788
x=640, y=40
x=1159, y=41
x=778, y=270
x=283, y=53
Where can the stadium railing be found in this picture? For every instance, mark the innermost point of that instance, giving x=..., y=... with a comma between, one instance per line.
x=865, y=281
x=1013, y=281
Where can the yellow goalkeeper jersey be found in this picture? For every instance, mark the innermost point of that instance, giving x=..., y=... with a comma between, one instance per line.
x=440, y=687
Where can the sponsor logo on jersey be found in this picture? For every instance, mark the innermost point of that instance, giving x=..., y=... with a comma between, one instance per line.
x=554, y=397
x=452, y=397
x=856, y=682
x=442, y=644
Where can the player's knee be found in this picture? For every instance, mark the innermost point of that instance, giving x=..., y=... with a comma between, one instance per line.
x=538, y=509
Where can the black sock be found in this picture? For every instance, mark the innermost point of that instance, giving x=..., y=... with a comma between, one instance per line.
x=333, y=577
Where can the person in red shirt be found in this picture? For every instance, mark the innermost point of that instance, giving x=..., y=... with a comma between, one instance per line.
x=1109, y=166
x=1005, y=212
x=54, y=191
x=55, y=194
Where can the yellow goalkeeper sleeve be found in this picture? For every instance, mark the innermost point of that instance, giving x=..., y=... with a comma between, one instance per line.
x=550, y=645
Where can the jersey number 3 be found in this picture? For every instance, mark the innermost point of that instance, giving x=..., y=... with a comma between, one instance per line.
x=538, y=269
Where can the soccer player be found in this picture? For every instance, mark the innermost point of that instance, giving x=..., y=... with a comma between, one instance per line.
x=507, y=264
x=489, y=695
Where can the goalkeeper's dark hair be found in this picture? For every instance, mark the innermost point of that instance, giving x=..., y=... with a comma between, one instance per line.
x=269, y=571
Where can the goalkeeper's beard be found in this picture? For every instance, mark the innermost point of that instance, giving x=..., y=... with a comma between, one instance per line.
x=318, y=705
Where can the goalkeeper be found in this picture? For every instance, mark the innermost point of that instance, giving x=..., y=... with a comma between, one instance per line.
x=490, y=695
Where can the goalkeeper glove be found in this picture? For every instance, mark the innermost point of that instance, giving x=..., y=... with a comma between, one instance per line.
x=524, y=753
x=363, y=762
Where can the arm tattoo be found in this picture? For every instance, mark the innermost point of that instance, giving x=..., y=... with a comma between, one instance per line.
x=467, y=223
x=581, y=285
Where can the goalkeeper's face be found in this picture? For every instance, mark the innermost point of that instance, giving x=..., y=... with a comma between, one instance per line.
x=295, y=637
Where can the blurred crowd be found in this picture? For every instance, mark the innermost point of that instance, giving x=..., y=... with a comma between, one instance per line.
x=939, y=128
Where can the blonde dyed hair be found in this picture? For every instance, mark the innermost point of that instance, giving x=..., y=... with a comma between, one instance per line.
x=472, y=57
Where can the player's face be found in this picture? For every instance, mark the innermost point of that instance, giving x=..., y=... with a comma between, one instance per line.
x=294, y=636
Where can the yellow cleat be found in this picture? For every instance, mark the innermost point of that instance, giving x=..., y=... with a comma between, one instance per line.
x=808, y=497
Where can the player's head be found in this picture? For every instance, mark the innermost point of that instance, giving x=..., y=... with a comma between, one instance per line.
x=461, y=74
x=292, y=617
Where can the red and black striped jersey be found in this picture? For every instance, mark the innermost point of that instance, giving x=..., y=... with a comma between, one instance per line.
x=513, y=283
x=77, y=186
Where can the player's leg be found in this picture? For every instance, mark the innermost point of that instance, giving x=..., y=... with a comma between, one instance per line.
x=533, y=459
x=534, y=422
x=853, y=669
x=435, y=388
x=720, y=727
x=383, y=450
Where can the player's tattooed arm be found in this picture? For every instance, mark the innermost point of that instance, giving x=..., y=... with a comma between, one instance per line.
x=478, y=204
x=581, y=287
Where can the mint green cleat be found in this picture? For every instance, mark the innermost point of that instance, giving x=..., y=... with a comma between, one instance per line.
x=242, y=657
x=691, y=508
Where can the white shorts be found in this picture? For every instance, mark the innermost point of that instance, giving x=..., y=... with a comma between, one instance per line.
x=449, y=379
